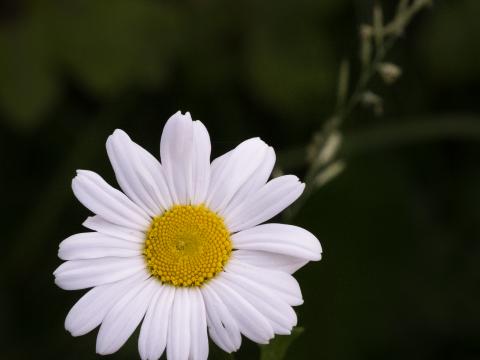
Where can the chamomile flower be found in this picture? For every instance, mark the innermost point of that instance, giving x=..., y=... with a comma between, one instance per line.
x=183, y=247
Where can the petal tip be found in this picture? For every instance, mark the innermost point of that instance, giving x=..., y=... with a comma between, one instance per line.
x=70, y=328
x=59, y=283
x=178, y=116
x=102, y=349
x=117, y=132
x=83, y=173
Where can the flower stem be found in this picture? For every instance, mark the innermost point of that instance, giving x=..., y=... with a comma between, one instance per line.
x=385, y=37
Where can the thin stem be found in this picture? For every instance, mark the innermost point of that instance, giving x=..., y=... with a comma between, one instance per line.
x=389, y=134
x=452, y=127
x=385, y=40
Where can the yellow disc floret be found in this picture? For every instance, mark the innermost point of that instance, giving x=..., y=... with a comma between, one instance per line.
x=187, y=245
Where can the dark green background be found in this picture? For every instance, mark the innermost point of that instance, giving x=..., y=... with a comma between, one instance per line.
x=400, y=278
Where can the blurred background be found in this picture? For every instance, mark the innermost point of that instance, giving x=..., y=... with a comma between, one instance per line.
x=400, y=227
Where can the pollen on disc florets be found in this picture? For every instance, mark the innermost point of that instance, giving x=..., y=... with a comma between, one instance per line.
x=187, y=245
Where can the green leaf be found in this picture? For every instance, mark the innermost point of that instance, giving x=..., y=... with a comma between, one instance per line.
x=277, y=348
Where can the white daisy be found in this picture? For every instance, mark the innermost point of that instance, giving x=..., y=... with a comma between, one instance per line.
x=182, y=247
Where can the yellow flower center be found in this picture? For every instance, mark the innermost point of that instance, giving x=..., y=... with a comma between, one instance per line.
x=187, y=245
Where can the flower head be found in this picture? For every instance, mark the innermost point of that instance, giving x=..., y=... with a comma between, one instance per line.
x=183, y=249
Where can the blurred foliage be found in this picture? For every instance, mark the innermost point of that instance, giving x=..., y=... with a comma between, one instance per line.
x=277, y=348
x=448, y=38
x=107, y=46
x=400, y=226
x=110, y=46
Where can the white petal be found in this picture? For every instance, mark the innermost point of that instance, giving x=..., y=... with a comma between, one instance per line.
x=185, y=153
x=102, y=199
x=222, y=326
x=201, y=163
x=95, y=245
x=251, y=322
x=92, y=307
x=175, y=152
x=258, y=178
x=264, y=259
x=218, y=163
x=281, y=239
x=178, y=343
x=153, y=334
x=105, y=227
x=233, y=171
x=265, y=203
x=198, y=326
x=281, y=316
x=153, y=167
x=124, y=317
x=282, y=283
x=128, y=160
x=81, y=274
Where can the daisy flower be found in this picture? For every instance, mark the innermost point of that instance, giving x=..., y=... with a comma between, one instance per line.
x=183, y=247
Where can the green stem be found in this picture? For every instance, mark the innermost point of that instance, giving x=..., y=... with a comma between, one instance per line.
x=394, y=133
x=412, y=131
x=337, y=119
x=367, y=74
x=389, y=135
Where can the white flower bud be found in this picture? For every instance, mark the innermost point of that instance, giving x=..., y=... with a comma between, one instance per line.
x=389, y=72
x=372, y=100
x=330, y=148
x=329, y=173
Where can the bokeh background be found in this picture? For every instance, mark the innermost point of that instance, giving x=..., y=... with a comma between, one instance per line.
x=400, y=278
